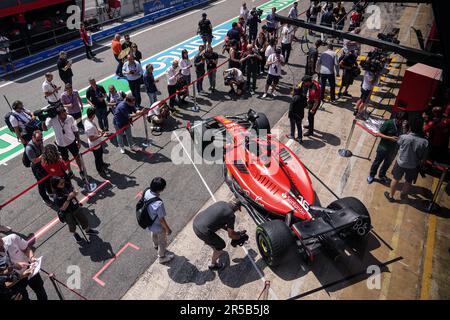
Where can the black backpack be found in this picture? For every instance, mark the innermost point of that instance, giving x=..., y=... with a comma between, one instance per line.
x=142, y=216
x=8, y=123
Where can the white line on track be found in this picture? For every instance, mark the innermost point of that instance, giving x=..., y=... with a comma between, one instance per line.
x=263, y=279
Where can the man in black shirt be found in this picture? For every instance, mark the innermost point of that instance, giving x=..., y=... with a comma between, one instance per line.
x=251, y=60
x=199, y=63
x=127, y=43
x=297, y=113
x=311, y=58
x=218, y=216
x=211, y=59
x=64, y=68
x=96, y=97
x=252, y=23
x=233, y=33
x=205, y=30
x=349, y=64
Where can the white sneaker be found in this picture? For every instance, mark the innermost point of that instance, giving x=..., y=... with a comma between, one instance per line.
x=168, y=257
x=274, y=94
x=264, y=95
x=122, y=150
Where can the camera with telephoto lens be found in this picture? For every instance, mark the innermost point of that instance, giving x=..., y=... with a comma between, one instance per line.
x=228, y=78
x=49, y=111
x=243, y=237
x=257, y=12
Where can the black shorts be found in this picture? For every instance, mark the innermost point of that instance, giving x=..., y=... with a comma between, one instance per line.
x=410, y=174
x=271, y=29
x=365, y=94
x=347, y=77
x=272, y=79
x=211, y=239
x=64, y=151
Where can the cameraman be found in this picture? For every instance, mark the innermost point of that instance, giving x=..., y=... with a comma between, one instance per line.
x=66, y=136
x=50, y=89
x=250, y=62
x=158, y=114
x=252, y=23
x=234, y=77
x=21, y=121
x=221, y=215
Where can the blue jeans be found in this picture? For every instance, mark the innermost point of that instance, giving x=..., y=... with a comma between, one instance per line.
x=119, y=67
x=383, y=158
x=126, y=132
x=102, y=117
x=152, y=97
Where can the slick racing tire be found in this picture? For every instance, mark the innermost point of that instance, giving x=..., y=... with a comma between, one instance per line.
x=274, y=238
x=363, y=225
x=262, y=123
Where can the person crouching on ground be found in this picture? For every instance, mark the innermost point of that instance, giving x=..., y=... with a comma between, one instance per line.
x=70, y=210
x=159, y=228
x=221, y=215
x=234, y=77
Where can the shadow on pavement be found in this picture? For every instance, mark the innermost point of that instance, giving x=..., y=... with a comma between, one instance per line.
x=182, y=271
x=97, y=249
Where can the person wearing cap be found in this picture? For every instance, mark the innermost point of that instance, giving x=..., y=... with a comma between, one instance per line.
x=64, y=68
x=220, y=215
x=21, y=255
x=205, y=30
x=274, y=62
x=71, y=100
x=312, y=89
x=66, y=135
x=159, y=229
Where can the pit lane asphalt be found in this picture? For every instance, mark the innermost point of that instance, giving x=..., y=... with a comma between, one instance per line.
x=112, y=208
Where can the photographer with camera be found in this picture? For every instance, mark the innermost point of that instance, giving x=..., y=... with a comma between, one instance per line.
x=70, y=210
x=158, y=114
x=274, y=62
x=50, y=89
x=221, y=215
x=9, y=281
x=372, y=73
x=234, y=77
x=250, y=62
x=66, y=136
x=252, y=23
x=132, y=70
x=349, y=64
x=22, y=122
x=205, y=30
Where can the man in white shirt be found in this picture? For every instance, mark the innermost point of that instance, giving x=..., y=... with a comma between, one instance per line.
x=19, y=119
x=287, y=36
x=20, y=255
x=172, y=74
x=270, y=48
x=244, y=12
x=66, y=136
x=293, y=12
x=234, y=77
x=95, y=136
x=132, y=70
x=370, y=80
x=274, y=62
x=328, y=63
x=50, y=90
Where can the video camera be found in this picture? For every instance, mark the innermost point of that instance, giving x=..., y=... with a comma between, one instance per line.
x=257, y=12
x=389, y=37
x=47, y=112
x=375, y=61
x=228, y=78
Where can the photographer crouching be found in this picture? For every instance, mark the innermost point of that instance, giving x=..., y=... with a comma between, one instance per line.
x=234, y=77
x=220, y=215
x=158, y=114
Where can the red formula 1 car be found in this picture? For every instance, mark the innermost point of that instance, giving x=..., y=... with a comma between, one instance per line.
x=276, y=189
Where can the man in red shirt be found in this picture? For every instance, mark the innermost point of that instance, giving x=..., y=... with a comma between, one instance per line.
x=86, y=42
x=312, y=89
x=438, y=131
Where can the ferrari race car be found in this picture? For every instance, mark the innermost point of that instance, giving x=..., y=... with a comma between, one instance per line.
x=275, y=188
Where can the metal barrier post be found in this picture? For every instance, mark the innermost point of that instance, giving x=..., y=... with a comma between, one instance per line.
x=431, y=206
x=88, y=187
x=345, y=152
x=195, y=108
x=264, y=295
x=51, y=276
x=147, y=141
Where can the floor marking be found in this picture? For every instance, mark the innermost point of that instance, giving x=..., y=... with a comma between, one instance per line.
x=55, y=221
x=395, y=240
x=262, y=278
x=95, y=277
x=429, y=250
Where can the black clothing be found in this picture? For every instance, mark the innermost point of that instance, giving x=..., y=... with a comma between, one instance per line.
x=205, y=27
x=211, y=58
x=311, y=61
x=96, y=95
x=218, y=216
x=66, y=76
x=233, y=34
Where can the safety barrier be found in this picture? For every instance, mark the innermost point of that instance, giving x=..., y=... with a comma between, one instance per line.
x=146, y=110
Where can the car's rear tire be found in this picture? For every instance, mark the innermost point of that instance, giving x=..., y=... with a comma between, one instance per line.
x=362, y=227
x=274, y=238
x=262, y=123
